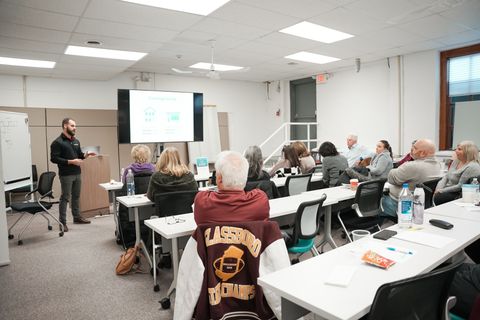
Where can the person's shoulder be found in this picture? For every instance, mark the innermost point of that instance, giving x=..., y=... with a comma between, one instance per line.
x=256, y=194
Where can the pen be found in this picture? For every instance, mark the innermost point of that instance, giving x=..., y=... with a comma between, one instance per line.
x=400, y=251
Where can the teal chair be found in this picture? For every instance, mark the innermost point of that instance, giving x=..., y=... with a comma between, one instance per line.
x=301, y=238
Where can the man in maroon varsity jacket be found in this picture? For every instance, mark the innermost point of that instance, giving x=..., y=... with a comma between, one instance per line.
x=231, y=203
x=217, y=277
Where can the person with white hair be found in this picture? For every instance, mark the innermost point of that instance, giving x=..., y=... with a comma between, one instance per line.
x=231, y=203
x=355, y=151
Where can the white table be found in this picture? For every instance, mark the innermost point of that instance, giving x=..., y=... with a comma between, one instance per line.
x=302, y=286
x=278, y=207
x=280, y=181
x=133, y=203
x=453, y=210
x=112, y=187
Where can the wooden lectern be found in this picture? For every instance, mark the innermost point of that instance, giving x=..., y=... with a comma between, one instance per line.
x=93, y=198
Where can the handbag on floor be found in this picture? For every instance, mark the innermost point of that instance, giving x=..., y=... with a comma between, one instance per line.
x=127, y=261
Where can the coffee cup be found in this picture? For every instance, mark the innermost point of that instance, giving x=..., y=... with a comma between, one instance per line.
x=353, y=184
x=359, y=234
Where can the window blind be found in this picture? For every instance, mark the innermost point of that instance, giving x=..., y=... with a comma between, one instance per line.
x=464, y=75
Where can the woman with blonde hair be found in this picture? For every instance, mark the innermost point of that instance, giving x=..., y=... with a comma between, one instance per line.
x=171, y=175
x=306, y=160
x=465, y=166
x=141, y=156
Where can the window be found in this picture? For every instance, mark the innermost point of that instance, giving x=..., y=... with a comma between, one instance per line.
x=460, y=82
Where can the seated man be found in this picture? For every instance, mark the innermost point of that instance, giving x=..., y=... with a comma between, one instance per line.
x=231, y=203
x=355, y=152
x=414, y=172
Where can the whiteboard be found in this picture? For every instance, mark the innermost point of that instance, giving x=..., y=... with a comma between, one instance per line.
x=16, y=150
x=466, y=122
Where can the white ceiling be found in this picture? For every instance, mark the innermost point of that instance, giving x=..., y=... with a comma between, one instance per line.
x=246, y=34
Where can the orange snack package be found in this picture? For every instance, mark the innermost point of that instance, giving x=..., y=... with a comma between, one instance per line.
x=377, y=260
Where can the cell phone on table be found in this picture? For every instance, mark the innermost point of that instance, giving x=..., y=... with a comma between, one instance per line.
x=384, y=234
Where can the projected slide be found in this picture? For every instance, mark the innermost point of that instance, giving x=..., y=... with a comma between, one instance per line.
x=161, y=116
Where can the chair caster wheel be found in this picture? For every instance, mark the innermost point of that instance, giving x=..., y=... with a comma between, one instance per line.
x=156, y=288
x=50, y=228
x=10, y=236
x=295, y=261
x=165, y=302
x=20, y=242
x=60, y=234
x=118, y=241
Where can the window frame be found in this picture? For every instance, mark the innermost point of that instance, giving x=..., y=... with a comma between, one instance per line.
x=445, y=116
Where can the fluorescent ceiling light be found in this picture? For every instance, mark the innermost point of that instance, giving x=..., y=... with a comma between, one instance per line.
x=311, y=57
x=216, y=67
x=202, y=8
x=27, y=63
x=316, y=32
x=104, y=53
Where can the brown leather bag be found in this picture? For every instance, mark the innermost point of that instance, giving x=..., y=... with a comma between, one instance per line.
x=127, y=261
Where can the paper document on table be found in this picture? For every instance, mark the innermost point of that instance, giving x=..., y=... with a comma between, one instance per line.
x=341, y=275
x=464, y=204
x=425, y=238
x=473, y=208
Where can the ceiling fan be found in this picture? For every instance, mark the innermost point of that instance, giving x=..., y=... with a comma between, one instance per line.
x=214, y=70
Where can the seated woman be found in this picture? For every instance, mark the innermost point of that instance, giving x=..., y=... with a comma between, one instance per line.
x=463, y=168
x=141, y=157
x=289, y=160
x=257, y=177
x=171, y=175
x=306, y=160
x=332, y=164
x=253, y=154
x=380, y=165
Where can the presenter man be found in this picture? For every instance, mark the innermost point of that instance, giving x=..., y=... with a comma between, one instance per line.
x=65, y=151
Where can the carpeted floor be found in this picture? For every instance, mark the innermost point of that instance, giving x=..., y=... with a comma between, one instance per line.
x=73, y=277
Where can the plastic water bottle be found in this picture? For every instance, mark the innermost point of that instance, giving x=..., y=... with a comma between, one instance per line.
x=418, y=205
x=122, y=171
x=476, y=197
x=130, y=183
x=405, y=207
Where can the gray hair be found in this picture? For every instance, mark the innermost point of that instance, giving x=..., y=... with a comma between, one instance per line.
x=253, y=154
x=353, y=137
x=233, y=168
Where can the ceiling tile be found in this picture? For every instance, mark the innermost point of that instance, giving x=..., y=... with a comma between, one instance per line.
x=467, y=14
x=125, y=31
x=120, y=11
x=36, y=18
x=74, y=8
x=31, y=45
x=30, y=33
x=303, y=9
x=251, y=16
x=432, y=27
x=80, y=39
x=228, y=28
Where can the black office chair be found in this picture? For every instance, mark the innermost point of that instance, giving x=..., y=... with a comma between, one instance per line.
x=44, y=189
x=429, y=188
x=266, y=186
x=367, y=206
x=421, y=297
x=301, y=238
x=170, y=204
x=297, y=184
x=25, y=189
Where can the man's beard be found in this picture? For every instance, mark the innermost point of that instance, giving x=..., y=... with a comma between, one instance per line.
x=71, y=132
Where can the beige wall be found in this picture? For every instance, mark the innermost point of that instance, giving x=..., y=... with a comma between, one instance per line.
x=94, y=128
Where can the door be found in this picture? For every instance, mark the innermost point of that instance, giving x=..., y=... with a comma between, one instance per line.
x=303, y=108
